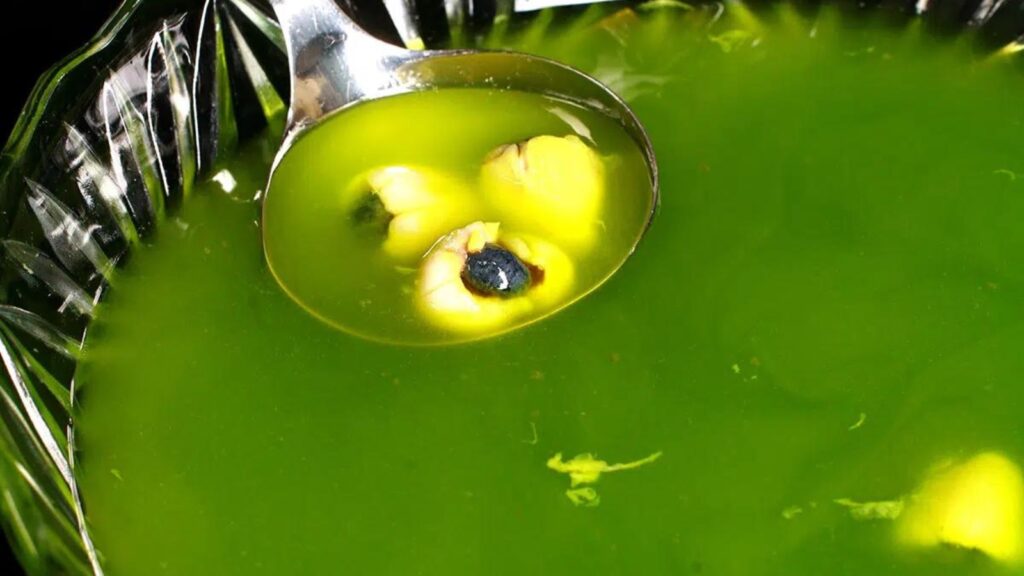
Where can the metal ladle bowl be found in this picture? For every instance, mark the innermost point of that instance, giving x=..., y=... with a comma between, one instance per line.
x=335, y=64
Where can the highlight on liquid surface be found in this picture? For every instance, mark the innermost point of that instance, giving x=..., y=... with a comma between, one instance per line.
x=394, y=219
x=811, y=365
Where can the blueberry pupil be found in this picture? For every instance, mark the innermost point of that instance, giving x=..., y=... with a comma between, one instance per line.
x=494, y=271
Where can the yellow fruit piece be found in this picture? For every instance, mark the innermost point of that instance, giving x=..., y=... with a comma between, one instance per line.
x=445, y=299
x=978, y=505
x=444, y=295
x=552, y=186
x=422, y=203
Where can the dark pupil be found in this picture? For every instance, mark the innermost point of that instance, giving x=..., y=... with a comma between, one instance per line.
x=371, y=215
x=494, y=271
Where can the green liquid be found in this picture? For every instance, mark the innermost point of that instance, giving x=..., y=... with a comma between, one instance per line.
x=827, y=304
x=340, y=271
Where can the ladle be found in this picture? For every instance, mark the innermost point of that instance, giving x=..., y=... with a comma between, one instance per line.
x=335, y=64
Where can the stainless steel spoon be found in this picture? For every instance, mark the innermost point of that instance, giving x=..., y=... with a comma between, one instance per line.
x=335, y=64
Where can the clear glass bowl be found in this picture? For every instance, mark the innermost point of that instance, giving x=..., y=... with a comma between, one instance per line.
x=115, y=137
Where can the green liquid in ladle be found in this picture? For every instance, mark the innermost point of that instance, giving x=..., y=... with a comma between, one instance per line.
x=576, y=200
x=827, y=306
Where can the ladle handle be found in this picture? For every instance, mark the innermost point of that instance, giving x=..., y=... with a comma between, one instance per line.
x=333, y=61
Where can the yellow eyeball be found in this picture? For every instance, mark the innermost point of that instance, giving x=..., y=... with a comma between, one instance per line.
x=552, y=269
x=409, y=207
x=478, y=278
x=551, y=185
x=977, y=505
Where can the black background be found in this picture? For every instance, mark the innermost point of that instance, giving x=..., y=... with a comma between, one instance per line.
x=43, y=32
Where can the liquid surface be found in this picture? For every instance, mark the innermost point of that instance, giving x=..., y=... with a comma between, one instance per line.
x=827, y=306
x=324, y=242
